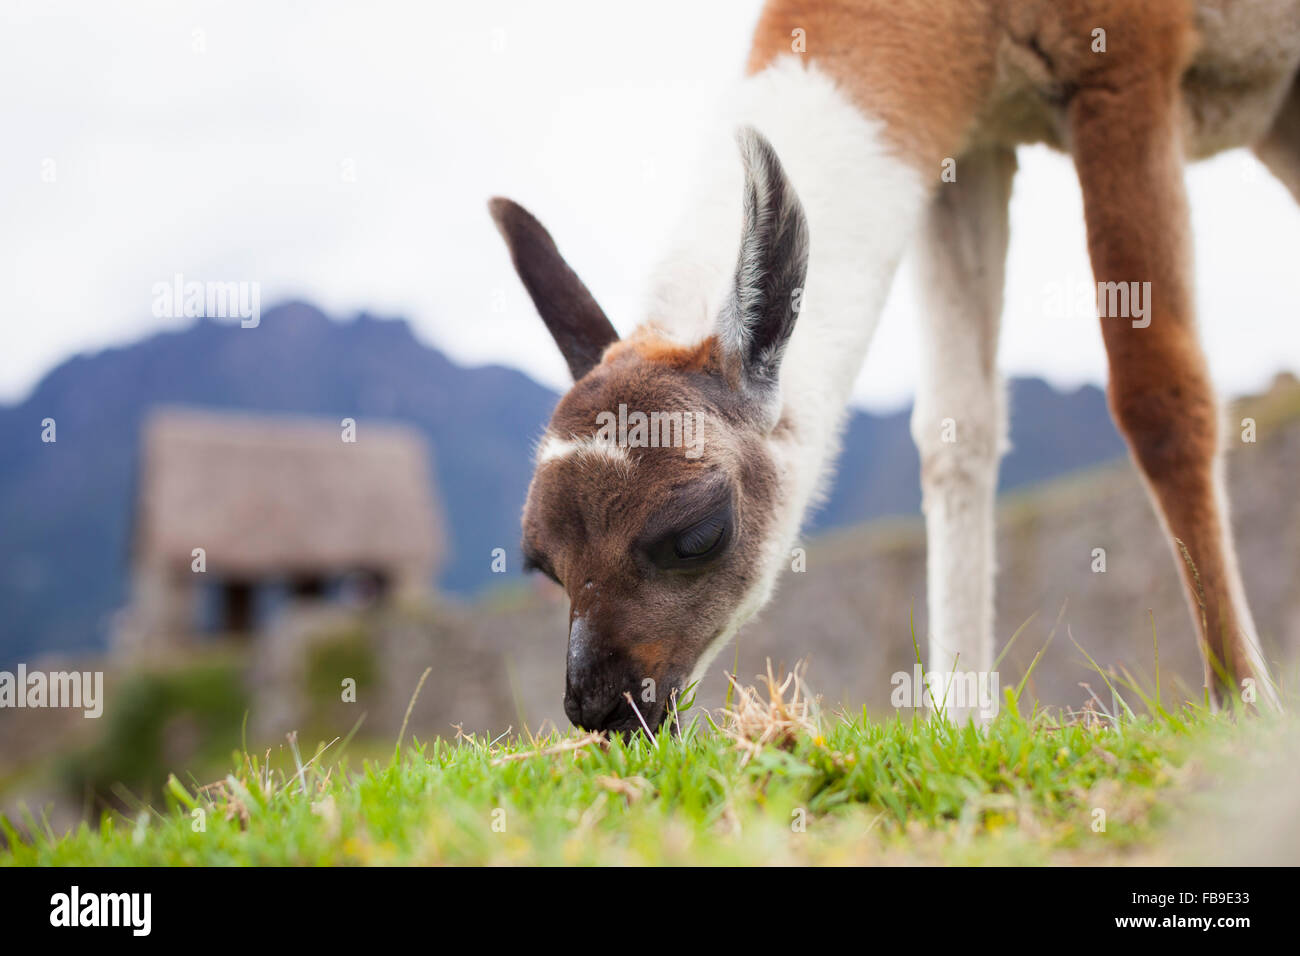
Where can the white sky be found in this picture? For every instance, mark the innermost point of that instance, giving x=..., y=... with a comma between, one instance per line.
x=210, y=139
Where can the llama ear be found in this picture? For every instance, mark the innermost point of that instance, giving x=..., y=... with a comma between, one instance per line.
x=759, y=315
x=578, y=325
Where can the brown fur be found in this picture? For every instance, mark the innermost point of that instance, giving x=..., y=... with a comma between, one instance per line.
x=1125, y=141
x=947, y=76
x=659, y=351
x=585, y=521
x=660, y=534
x=920, y=66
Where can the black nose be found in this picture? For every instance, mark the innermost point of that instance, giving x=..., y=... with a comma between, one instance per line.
x=592, y=689
x=614, y=714
x=596, y=684
x=588, y=713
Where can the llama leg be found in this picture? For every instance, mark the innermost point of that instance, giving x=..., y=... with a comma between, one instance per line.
x=1126, y=151
x=959, y=421
x=1280, y=149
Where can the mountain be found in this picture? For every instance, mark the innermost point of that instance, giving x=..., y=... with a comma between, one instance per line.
x=65, y=507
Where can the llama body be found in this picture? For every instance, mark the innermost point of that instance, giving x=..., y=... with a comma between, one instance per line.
x=884, y=98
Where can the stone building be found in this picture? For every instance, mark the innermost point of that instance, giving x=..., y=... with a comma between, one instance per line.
x=239, y=518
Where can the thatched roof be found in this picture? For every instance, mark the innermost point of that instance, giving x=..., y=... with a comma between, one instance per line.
x=273, y=495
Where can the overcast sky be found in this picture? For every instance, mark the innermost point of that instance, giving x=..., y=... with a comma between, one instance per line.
x=343, y=153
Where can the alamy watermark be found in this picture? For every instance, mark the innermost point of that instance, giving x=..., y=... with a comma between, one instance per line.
x=211, y=300
x=654, y=430
x=1076, y=298
x=83, y=690
x=959, y=690
x=132, y=911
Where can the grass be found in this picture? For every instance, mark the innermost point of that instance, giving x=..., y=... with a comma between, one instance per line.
x=852, y=789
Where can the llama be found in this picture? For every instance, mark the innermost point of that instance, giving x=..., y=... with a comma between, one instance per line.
x=843, y=155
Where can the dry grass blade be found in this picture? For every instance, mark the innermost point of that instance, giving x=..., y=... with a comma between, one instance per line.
x=754, y=723
x=410, y=707
x=564, y=746
x=646, y=727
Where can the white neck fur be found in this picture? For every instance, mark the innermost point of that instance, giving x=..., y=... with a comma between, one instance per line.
x=862, y=202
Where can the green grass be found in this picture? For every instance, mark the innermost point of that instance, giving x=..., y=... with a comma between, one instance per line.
x=1023, y=790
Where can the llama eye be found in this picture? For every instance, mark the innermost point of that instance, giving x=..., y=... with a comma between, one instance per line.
x=700, y=539
x=694, y=546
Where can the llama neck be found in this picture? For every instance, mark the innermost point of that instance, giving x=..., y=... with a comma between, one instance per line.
x=862, y=204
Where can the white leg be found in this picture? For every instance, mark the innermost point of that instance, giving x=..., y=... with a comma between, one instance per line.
x=959, y=421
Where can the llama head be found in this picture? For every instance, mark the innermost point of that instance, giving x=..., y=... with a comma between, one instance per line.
x=656, y=490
